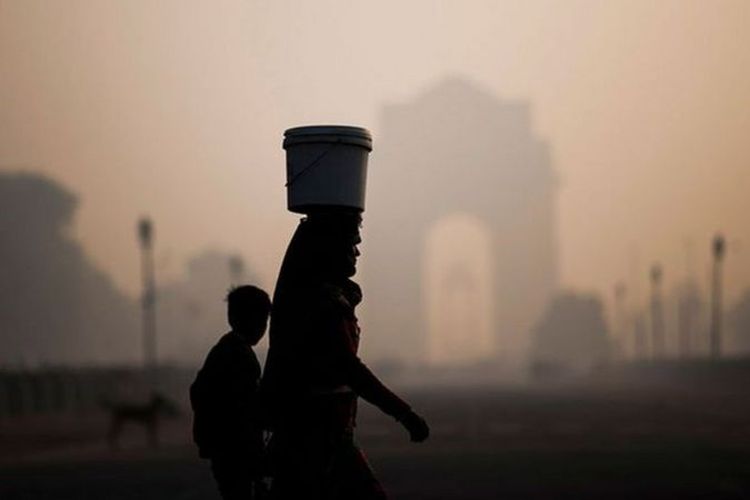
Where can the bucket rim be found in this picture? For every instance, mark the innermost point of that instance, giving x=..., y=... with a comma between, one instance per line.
x=345, y=130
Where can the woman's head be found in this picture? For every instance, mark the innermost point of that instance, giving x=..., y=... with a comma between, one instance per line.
x=336, y=237
x=323, y=248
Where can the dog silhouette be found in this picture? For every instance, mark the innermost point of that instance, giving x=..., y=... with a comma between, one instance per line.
x=147, y=415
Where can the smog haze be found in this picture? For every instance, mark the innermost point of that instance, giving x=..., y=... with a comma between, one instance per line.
x=176, y=110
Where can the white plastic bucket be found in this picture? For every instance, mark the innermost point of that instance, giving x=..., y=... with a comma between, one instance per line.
x=326, y=166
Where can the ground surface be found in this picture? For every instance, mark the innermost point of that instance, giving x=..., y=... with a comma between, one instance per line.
x=486, y=444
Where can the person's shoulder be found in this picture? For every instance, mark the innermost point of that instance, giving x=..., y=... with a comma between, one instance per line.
x=222, y=348
x=227, y=341
x=331, y=296
x=330, y=290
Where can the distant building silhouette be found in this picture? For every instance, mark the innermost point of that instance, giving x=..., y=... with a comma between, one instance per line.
x=658, y=328
x=192, y=308
x=640, y=336
x=690, y=307
x=739, y=321
x=56, y=307
x=458, y=149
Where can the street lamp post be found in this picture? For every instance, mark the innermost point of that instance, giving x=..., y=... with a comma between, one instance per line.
x=619, y=341
x=148, y=298
x=236, y=270
x=719, y=249
x=657, y=313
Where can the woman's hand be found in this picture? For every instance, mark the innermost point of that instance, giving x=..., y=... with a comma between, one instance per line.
x=416, y=425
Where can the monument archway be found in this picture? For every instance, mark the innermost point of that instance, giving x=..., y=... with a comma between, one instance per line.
x=457, y=289
x=457, y=149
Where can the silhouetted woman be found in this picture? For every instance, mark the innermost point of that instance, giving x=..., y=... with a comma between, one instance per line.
x=313, y=376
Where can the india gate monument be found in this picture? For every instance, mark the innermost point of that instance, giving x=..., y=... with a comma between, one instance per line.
x=460, y=248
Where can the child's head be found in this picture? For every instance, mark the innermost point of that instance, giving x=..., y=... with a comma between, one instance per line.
x=248, y=308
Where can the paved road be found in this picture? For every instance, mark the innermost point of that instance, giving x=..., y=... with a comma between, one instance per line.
x=485, y=445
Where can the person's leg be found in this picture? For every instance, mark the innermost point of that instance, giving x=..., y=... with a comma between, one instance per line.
x=351, y=476
x=300, y=462
x=234, y=478
x=297, y=476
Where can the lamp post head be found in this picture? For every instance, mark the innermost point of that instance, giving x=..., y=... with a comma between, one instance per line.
x=656, y=274
x=236, y=266
x=719, y=246
x=145, y=231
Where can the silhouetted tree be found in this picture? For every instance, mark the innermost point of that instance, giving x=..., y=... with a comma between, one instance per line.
x=56, y=306
x=572, y=333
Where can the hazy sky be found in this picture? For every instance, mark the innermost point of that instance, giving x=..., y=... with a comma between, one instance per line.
x=177, y=109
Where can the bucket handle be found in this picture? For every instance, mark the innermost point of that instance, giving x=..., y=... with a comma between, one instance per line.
x=312, y=164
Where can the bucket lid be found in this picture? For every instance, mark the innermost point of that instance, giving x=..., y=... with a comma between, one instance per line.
x=329, y=133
